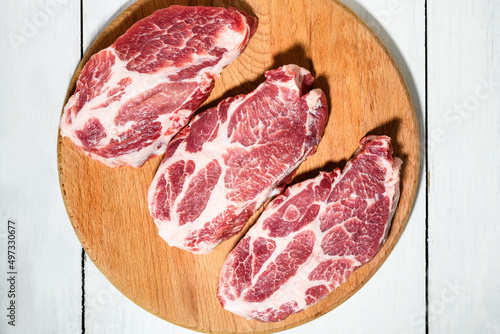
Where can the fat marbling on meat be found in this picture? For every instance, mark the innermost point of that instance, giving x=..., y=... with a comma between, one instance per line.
x=132, y=97
x=309, y=240
x=231, y=158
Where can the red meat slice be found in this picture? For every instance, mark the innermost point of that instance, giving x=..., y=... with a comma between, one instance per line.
x=244, y=150
x=320, y=231
x=134, y=96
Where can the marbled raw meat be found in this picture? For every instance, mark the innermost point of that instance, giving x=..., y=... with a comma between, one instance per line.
x=230, y=159
x=134, y=96
x=309, y=240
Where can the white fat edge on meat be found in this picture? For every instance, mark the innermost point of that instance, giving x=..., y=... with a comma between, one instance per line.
x=393, y=192
x=300, y=73
x=313, y=100
x=227, y=40
x=295, y=84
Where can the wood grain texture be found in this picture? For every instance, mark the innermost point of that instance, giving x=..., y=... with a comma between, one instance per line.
x=367, y=94
x=464, y=167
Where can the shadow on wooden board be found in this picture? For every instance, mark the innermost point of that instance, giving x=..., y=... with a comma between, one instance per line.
x=295, y=55
x=386, y=39
x=390, y=129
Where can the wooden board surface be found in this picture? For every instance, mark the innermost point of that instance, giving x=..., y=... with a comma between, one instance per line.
x=366, y=95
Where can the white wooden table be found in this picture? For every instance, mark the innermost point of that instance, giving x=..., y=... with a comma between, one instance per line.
x=442, y=277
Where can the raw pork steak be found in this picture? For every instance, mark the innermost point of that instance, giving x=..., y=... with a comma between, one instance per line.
x=231, y=158
x=134, y=96
x=309, y=240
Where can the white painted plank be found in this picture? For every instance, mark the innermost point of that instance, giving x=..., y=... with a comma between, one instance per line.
x=394, y=300
x=39, y=51
x=464, y=150
x=97, y=15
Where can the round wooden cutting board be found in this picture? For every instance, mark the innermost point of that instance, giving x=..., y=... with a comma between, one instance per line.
x=366, y=95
